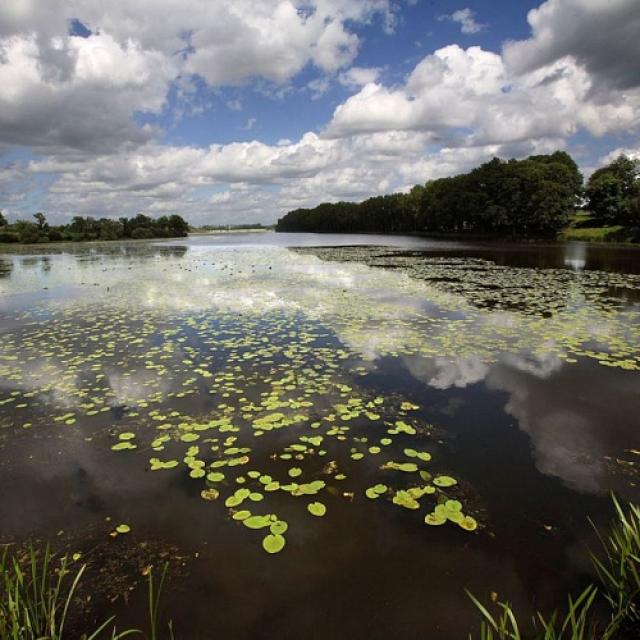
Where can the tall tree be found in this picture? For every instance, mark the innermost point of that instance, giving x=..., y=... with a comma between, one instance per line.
x=613, y=192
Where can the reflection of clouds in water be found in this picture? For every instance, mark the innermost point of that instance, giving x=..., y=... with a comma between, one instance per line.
x=566, y=443
x=45, y=377
x=443, y=373
x=130, y=387
x=539, y=365
x=374, y=312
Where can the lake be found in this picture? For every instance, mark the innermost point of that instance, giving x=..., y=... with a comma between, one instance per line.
x=324, y=436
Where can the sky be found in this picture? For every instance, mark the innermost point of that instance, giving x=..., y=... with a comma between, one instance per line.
x=237, y=111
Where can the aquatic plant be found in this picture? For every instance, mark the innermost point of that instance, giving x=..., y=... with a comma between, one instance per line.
x=38, y=598
x=619, y=588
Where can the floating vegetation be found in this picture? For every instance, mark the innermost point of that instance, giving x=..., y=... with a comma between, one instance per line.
x=251, y=381
x=273, y=543
x=376, y=491
x=317, y=509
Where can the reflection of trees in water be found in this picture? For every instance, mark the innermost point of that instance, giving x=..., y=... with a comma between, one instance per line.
x=128, y=252
x=35, y=262
x=6, y=267
x=43, y=263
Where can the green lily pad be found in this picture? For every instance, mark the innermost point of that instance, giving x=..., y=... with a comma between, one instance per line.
x=445, y=481
x=404, y=499
x=123, y=446
x=317, y=509
x=279, y=527
x=434, y=519
x=273, y=543
x=257, y=522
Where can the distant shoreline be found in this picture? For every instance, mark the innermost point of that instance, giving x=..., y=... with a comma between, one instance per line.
x=17, y=246
x=213, y=232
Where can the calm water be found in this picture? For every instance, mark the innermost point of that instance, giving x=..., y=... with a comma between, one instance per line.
x=309, y=368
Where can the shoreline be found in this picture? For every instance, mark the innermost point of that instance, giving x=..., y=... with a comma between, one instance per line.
x=474, y=237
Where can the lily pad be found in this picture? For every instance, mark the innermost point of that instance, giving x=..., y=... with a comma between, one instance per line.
x=273, y=543
x=317, y=509
x=445, y=481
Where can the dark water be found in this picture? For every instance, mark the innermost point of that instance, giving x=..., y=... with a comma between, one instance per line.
x=514, y=366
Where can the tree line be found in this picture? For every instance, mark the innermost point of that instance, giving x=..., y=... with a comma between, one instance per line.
x=533, y=197
x=79, y=229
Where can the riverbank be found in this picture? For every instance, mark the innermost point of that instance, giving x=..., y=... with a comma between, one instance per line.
x=17, y=247
x=580, y=229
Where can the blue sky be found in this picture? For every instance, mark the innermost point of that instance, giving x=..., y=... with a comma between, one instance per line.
x=236, y=111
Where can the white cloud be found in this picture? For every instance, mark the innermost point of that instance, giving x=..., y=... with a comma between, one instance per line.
x=466, y=18
x=318, y=87
x=468, y=95
x=68, y=91
x=75, y=102
x=630, y=152
x=83, y=97
x=251, y=181
x=359, y=76
x=602, y=37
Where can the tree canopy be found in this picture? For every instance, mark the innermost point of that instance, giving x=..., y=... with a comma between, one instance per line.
x=531, y=197
x=613, y=192
x=89, y=228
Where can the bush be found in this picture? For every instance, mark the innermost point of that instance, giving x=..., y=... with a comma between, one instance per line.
x=8, y=236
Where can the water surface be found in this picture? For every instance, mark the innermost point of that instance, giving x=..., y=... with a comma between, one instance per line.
x=309, y=368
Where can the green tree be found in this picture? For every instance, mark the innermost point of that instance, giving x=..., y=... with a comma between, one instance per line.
x=613, y=192
x=41, y=220
x=28, y=232
x=3, y=220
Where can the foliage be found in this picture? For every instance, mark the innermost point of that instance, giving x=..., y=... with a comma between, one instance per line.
x=38, y=595
x=619, y=570
x=247, y=226
x=619, y=578
x=531, y=197
x=613, y=192
x=89, y=228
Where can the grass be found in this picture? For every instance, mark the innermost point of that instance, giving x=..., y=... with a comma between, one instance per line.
x=618, y=590
x=37, y=596
x=614, y=233
x=584, y=228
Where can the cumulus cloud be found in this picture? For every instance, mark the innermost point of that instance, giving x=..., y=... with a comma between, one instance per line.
x=67, y=91
x=630, y=152
x=471, y=91
x=252, y=181
x=602, y=37
x=82, y=97
x=78, y=102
